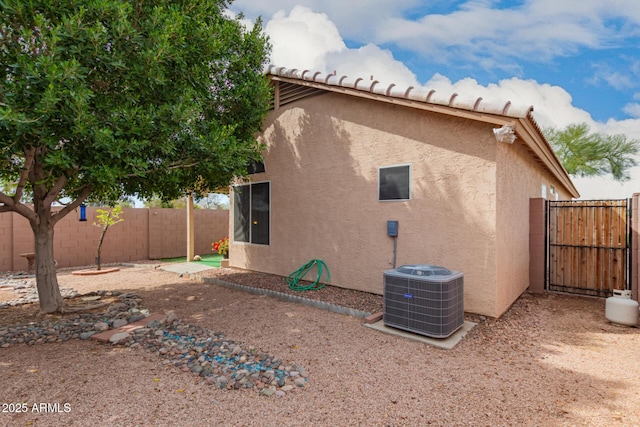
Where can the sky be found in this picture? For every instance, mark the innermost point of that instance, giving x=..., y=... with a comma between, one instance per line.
x=574, y=61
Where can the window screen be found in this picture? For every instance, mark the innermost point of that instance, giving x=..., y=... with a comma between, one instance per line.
x=241, y=213
x=260, y=213
x=251, y=213
x=394, y=182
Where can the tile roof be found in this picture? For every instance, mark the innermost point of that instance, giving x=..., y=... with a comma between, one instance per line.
x=410, y=93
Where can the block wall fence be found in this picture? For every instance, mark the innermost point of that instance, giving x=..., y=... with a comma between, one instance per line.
x=151, y=233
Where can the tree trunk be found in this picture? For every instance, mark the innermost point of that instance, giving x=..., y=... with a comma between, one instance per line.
x=98, y=262
x=46, y=278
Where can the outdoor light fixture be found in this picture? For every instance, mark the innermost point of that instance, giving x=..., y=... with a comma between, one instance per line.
x=83, y=212
x=505, y=134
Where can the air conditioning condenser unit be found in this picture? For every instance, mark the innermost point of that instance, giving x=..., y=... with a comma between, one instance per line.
x=425, y=299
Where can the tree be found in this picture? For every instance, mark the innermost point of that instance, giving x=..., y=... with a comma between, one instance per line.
x=584, y=153
x=105, y=219
x=215, y=201
x=113, y=98
x=126, y=202
x=157, y=202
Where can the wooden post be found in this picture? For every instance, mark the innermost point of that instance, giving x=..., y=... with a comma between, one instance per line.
x=190, y=229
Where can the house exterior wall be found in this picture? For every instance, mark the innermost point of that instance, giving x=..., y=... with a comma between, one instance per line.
x=322, y=160
x=519, y=179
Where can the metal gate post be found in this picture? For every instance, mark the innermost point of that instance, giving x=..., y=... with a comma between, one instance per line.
x=634, y=257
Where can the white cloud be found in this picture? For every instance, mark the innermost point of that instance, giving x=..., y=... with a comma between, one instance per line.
x=304, y=39
x=499, y=38
x=544, y=28
x=369, y=61
x=621, y=81
x=552, y=104
x=632, y=109
x=356, y=19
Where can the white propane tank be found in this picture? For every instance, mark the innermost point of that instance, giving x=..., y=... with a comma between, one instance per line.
x=620, y=308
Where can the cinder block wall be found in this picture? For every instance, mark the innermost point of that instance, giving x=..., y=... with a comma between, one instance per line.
x=6, y=239
x=210, y=226
x=76, y=242
x=537, y=208
x=22, y=240
x=144, y=234
x=165, y=236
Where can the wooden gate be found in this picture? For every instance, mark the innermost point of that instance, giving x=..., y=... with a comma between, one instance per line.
x=588, y=246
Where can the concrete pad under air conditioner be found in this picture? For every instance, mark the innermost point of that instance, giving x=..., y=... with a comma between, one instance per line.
x=444, y=343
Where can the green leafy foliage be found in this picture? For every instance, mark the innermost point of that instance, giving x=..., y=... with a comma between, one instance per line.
x=104, y=99
x=105, y=218
x=584, y=153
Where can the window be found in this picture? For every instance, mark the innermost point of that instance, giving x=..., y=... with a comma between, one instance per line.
x=251, y=213
x=255, y=167
x=394, y=182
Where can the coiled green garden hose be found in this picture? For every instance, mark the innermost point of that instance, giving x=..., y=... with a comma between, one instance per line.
x=296, y=277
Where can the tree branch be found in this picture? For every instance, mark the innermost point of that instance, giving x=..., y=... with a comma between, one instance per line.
x=8, y=201
x=29, y=156
x=10, y=205
x=58, y=215
x=52, y=193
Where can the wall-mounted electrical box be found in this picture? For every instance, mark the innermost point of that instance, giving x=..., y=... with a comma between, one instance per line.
x=392, y=228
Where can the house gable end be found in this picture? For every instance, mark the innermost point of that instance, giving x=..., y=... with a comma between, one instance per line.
x=293, y=85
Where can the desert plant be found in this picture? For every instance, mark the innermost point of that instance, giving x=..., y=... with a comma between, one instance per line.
x=586, y=153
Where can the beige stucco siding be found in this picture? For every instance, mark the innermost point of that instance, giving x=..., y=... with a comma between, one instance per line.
x=322, y=159
x=519, y=178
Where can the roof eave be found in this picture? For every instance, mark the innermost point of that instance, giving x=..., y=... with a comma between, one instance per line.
x=526, y=130
x=436, y=108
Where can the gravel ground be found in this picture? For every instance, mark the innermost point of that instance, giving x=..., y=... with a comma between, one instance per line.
x=552, y=360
